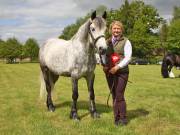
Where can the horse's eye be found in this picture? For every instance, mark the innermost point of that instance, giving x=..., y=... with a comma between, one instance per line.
x=93, y=29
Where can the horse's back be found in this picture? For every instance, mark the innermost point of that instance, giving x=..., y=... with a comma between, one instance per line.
x=52, y=49
x=56, y=42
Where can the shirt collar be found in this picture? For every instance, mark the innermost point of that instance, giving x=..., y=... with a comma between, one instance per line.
x=116, y=39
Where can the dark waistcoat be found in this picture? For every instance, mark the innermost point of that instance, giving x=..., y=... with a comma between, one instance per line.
x=118, y=48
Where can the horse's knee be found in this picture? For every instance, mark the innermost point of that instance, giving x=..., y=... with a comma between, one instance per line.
x=92, y=96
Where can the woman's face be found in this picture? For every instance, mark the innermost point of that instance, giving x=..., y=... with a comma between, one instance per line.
x=116, y=30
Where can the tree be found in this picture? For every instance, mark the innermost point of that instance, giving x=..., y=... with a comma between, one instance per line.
x=31, y=49
x=129, y=13
x=176, y=13
x=2, y=46
x=174, y=37
x=163, y=33
x=139, y=21
x=143, y=43
x=12, y=50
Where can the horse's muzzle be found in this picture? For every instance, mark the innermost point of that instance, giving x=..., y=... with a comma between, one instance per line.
x=102, y=50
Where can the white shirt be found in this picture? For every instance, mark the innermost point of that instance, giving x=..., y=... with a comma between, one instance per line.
x=127, y=55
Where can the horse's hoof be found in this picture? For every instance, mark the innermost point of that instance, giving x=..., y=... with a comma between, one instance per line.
x=74, y=116
x=95, y=115
x=51, y=108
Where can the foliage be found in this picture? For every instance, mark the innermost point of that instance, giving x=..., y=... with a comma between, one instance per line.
x=12, y=49
x=174, y=37
x=143, y=43
x=163, y=35
x=176, y=13
x=137, y=10
x=139, y=22
x=2, y=46
x=31, y=48
x=174, y=32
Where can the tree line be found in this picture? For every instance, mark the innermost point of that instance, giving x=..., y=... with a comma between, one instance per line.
x=150, y=34
x=11, y=49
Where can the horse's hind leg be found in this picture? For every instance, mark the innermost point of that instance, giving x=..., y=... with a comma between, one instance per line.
x=73, y=114
x=90, y=84
x=50, y=80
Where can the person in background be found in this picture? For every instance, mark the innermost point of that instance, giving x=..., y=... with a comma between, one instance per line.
x=116, y=70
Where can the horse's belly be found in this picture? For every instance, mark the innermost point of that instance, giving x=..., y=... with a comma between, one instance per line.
x=83, y=71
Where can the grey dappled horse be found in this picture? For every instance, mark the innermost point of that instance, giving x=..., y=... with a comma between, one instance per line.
x=74, y=58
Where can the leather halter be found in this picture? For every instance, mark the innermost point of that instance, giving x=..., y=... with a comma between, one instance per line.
x=95, y=39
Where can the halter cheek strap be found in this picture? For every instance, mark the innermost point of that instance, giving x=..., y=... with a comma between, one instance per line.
x=95, y=39
x=98, y=38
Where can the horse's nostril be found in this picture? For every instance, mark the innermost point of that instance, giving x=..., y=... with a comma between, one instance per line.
x=102, y=50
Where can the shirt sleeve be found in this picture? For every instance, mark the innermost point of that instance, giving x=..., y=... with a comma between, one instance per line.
x=127, y=55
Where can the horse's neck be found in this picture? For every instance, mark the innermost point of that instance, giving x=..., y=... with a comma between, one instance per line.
x=82, y=36
x=82, y=33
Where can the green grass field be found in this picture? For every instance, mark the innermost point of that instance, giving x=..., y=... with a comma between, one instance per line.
x=153, y=104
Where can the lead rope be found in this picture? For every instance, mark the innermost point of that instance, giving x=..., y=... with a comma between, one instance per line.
x=112, y=89
x=102, y=63
x=110, y=92
x=113, y=81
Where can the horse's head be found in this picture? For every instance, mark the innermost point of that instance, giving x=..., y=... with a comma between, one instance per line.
x=97, y=30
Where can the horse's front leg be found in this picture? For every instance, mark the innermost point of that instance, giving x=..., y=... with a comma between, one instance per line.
x=171, y=74
x=90, y=83
x=73, y=113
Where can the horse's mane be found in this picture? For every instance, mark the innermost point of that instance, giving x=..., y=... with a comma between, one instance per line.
x=82, y=32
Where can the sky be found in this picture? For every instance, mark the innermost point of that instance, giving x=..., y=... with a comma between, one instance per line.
x=44, y=19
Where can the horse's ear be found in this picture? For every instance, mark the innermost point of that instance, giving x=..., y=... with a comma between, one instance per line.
x=104, y=15
x=93, y=15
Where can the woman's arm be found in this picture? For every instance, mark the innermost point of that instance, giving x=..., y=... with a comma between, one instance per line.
x=127, y=55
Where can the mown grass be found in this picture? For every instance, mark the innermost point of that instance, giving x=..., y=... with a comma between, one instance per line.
x=153, y=104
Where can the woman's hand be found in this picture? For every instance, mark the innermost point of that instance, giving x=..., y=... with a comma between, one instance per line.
x=105, y=69
x=114, y=69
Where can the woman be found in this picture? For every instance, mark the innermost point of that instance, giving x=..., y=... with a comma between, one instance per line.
x=117, y=73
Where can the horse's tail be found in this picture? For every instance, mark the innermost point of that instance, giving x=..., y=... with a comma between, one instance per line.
x=43, y=86
x=164, y=69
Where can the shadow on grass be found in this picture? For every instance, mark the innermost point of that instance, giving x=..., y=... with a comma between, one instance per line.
x=102, y=108
x=176, y=77
x=132, y=114
x=84, y=105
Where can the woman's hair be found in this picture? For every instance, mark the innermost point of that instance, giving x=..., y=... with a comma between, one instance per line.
x=116, y=23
